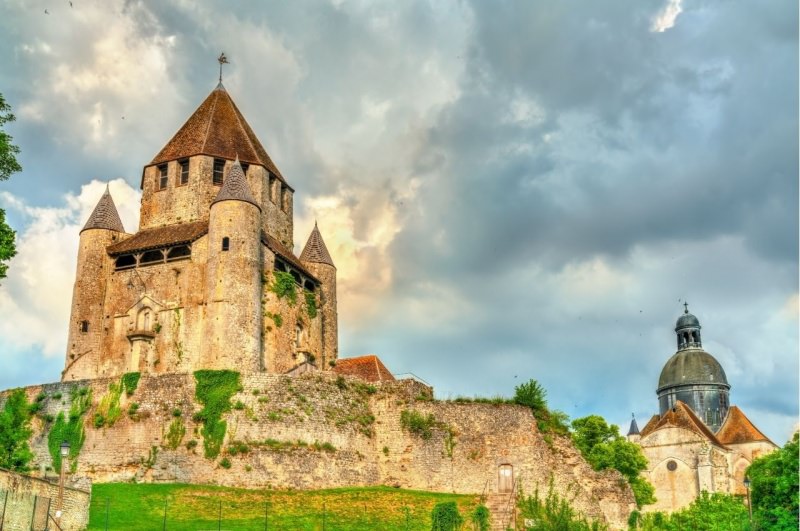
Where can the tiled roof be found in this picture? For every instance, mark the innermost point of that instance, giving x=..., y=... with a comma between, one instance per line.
x=278, y=248
x=634, y=429
x=681, y=416
x=105, y=215
x=368, y=368
x=315, y=250
x=235, y=187
x=737, y=428
x=650, y=426
x=217, y=128
x=160, y=237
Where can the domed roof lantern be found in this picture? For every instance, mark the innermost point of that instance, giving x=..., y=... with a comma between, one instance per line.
x=687, y=328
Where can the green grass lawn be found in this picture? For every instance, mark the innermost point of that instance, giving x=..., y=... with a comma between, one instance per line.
x=197, y=507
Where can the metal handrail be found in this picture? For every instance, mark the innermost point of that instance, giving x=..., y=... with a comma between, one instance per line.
x=512, y=497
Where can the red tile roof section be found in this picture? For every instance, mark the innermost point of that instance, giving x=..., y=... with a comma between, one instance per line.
x=368, y=368
x=218, y=129
x=160, y=237
x=737, y=429
x=681, y=416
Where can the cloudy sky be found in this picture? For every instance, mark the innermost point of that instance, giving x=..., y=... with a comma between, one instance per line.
x=510, y=190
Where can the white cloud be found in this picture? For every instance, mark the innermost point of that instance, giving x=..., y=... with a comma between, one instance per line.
x=38, y=290
x=665, y=19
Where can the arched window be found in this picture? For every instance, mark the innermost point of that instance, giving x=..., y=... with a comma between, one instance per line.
x=226, y=243
x=298, y=335
x=309, y=285
x=144, y=318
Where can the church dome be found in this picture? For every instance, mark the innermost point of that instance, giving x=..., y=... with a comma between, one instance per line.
x=687, y=320
x=692, y=366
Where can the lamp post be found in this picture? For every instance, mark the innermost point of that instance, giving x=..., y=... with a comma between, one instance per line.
x=749, y=505
x=64, y=450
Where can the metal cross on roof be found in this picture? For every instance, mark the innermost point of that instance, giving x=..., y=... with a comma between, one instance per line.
x=222, y=61
x=685, y=307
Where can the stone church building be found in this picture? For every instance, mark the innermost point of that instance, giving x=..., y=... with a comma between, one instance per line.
x=698, y=441
x=209, y=279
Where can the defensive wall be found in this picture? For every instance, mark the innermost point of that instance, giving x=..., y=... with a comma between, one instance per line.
x=318, y=430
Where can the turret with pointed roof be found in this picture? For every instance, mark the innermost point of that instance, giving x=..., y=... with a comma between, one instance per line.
x=317, y=259
x=235, y=187
x=105, y=215
x=315, y=249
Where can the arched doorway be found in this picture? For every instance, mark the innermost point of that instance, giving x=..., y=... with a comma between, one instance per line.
x=505, y=480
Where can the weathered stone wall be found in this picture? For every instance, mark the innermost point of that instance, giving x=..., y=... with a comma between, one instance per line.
x=22, y=491
x=328, y=311
x=318, y=430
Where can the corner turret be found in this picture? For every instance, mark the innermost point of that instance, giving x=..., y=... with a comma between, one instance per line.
x=233, y=284
x=317, y=259
x=103, y=228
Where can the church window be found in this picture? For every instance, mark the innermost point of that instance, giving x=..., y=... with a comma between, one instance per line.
x=179, y=253
x=152, y=257
x=226, y=243
x=296, y=276
x=219, y=171
x=162, y=177
x=184, y=171
x=84, y=326
x=309, y=285
x=245, y=167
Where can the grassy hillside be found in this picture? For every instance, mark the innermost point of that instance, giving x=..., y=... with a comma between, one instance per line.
x=197, y=507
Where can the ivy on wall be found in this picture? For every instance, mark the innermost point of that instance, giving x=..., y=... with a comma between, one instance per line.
x=109, y=410
x=214, y=390
x=70, y=431
x=15, y=430
x=311, y=303
x=130, y=381
x=284, y=286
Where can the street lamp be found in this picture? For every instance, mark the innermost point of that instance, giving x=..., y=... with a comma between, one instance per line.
x=64, y=450
x=749, y=506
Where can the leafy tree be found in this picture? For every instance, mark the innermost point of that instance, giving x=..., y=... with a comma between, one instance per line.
x=553, y=513
x=774, y=487
x=15, y=430
x=8, y=165
x=603, y=447
x=534, y=396
x=709, y=512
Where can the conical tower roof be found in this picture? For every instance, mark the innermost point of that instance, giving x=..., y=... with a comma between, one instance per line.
x=315, y=250
x=634, y=429
x=235, y=187
x=218, y=129
x=105, y=215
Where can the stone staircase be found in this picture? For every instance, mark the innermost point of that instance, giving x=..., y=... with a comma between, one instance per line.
x=500, y=511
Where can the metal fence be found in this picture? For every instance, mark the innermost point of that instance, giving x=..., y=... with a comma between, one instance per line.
x=25, y=512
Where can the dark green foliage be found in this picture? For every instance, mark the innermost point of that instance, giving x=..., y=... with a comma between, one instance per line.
x=284, y=286
x=175, y=433
x=15, y=421
x=774, y=487
x=341, y=383
x=133, y=410
x=8, y=165
x=130, y=381
x=238, y=447
x=445, y=517
x=480, y=518
x=603, y=447
x=311, y=303
x=554, y=513
x=418, y=423
x=534, y=396
x=709, y=512
x=225, y=463
x=70, y=430
x=214, y=390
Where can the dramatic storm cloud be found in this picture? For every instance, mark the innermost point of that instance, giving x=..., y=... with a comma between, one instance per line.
x=510, y=190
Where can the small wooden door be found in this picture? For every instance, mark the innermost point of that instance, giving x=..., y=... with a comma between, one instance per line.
x=506, y=478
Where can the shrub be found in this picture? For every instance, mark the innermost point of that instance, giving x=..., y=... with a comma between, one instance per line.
x=284, y=286
x=191, y=444
x=418, y=423
x=445, y=517
x=214, y=390
x=130, y=381
x=554, y=512
x=133, y=409
x=480, y=518
x=225, y=463
x=175, y=433
x=341, y=383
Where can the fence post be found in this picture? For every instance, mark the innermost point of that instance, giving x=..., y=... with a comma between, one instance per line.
x=323, y=516
x=266, y=516
x=219, y=517
x=108, y=501
x=164, y=527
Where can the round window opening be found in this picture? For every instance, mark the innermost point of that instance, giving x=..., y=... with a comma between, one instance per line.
x=672, y=465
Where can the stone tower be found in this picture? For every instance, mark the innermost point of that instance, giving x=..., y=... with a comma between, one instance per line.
x=318, y=260
x=694, y=376
x=85, y=324
x=210, y=278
